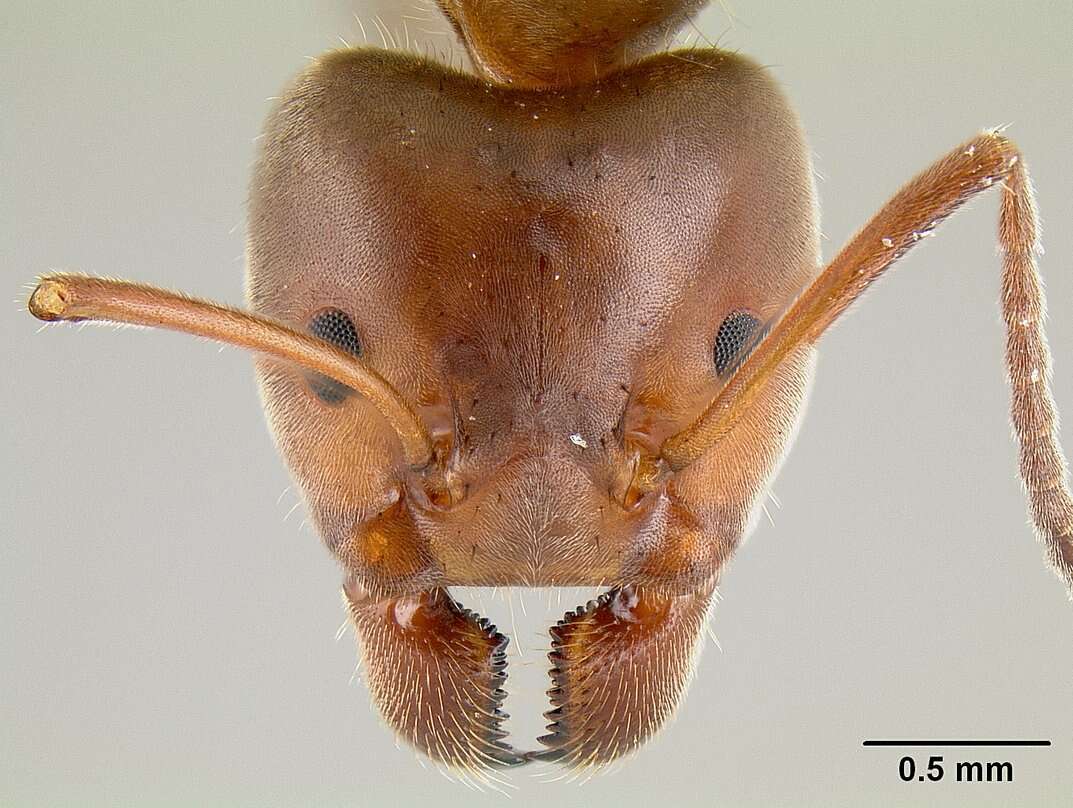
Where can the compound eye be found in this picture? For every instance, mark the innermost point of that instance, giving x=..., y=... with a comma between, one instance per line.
x=336, y=327
x=737, y=333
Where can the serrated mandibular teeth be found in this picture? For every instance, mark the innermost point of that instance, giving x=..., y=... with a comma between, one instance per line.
x=459, y=663
x=552, y=739
x=507, y=757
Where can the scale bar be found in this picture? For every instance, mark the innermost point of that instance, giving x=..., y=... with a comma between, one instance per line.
x=958, y=743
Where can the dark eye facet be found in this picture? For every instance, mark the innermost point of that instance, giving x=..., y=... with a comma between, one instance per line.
x=737, y=331
x=336, y=327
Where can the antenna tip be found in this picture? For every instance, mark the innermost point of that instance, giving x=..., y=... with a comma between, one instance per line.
x=50, y=300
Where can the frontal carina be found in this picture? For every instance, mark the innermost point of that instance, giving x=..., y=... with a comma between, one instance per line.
x=553, y=323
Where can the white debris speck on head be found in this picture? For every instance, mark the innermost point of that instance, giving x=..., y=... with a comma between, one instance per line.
x=577, y=440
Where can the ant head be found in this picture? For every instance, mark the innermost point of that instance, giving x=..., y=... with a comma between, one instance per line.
x=536, y=44
x=513, y=267
x=488, y=322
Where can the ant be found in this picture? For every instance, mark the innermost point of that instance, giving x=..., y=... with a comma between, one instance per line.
x=553, y=323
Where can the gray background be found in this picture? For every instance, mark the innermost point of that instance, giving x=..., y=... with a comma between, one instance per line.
x=168, y=633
